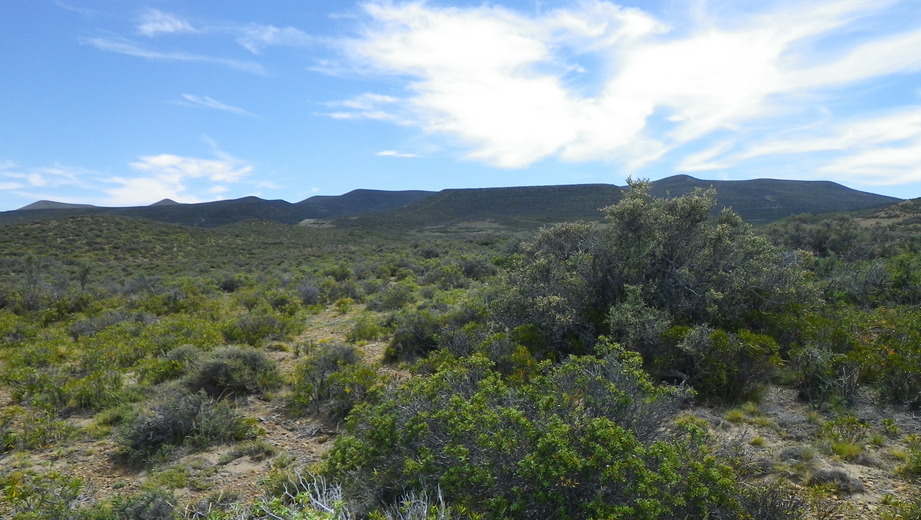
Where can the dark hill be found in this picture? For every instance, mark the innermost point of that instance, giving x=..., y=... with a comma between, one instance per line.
x=766, y=200
x=50, y=204
x=220, y=213
x=357, y=202
x=757, y=201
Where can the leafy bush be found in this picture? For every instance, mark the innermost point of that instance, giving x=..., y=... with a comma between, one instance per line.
x=156, y=504
x=181, y=419
x=364, y=328
x=393, y=296
x=331, y=379
x=257, y=327
x=911, y=468
x=233, y=372
x=415, y=332
x=174, y=364
x=727, y=367
x=590, y=450
x=46, y=496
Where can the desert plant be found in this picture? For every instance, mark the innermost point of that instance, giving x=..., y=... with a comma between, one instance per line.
x=234, y=372
x=180, y=419
x=570, y=453
x=414, y=334
x=45, y=496
x=331, y=379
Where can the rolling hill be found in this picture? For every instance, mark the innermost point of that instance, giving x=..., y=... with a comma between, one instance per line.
x=758, y=201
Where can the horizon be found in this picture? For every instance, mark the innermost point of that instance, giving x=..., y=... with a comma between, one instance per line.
x=126, y=104
x=433, y=192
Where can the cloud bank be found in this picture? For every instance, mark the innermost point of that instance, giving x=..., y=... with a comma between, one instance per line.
x=599, y=82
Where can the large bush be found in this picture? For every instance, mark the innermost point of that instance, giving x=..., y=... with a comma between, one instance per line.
x=181, y=419
x=331, y=380
x=668, y=254
x=600, y=445
x=234, y=372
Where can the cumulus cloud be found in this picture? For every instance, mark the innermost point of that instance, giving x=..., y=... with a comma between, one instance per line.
x=169, y=176
x=597, y=81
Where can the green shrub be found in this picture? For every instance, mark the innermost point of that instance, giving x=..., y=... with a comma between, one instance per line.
x=156, y=504
x=911, y=468
x=180, y=419
x=257, y=327
x=364, y=328
x=727, y=367
x=98, y=390
x=391, y=297
x=233, y=372
x=589, y=449
x=330, y=380
x=169, y=366
x=415, y=333
x=46, y=496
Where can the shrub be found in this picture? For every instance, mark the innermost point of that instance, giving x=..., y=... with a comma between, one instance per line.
x=570, y=453
x=180, y=419
x=98, y=390
x=234, y=372
x=911, y=468
x=257, y=327
x=174, y=364
x=393, y=296
x=415, y=334
x=156, y=504
x=47, y=496
x=331, y=379
x=364, y=328
x=719, y=365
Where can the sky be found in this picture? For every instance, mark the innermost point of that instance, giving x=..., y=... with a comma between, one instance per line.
x=126, y=103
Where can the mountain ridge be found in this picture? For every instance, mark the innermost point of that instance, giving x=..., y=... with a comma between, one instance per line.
x=756, y=200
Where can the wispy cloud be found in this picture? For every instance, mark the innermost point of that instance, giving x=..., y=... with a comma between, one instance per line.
x=255, y=38
x=130, y=48
x=596, y=81
x=154, y=22
x=396, y=153
x=209, y=102
x=368, y=106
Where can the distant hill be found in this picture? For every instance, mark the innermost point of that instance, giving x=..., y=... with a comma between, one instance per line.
x=50, y=204
x=757, y=201
x=357, y=202
x=220, y=213
x=765, y=200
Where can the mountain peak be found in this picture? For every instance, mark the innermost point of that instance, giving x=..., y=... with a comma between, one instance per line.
x=165, y=202
x=50, y=204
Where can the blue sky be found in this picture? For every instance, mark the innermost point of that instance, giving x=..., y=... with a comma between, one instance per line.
x=121, y=103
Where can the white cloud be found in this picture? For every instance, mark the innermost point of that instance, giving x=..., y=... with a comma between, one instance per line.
x=129, y=48
x=170, y=176
x=155, y=23
x=596, y=81
x=255, y=38
x=396, y=153
x=368, y=106
x=209, y=102
x=176, y=168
